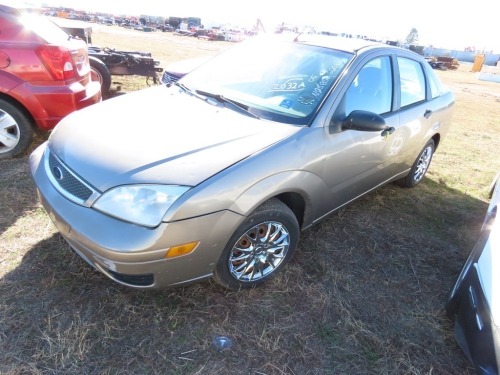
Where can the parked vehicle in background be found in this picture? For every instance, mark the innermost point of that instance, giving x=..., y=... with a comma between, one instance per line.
x=474, y=301
x=260, y=142
x=44, y=75
x=167, y=28
x=443, y=62
x=106, y=62
x=178, y=69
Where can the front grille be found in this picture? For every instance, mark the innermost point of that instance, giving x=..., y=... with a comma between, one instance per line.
x=66, y=182
x=169, y=78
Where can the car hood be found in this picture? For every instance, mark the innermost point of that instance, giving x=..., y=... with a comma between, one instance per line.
x=183, y=67
x=158, y=135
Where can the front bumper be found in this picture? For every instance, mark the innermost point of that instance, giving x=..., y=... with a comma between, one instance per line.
x=130, y=254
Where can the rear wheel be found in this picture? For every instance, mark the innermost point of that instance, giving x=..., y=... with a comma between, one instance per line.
x=16, y=132
x=262, y=245
x=420, y=167
x=102, y=73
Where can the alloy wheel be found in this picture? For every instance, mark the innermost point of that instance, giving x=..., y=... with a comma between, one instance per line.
x=423, y=163
x=9, y=132
x=259, y=251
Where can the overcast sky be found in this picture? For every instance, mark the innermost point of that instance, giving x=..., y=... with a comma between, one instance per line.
x=446, y=24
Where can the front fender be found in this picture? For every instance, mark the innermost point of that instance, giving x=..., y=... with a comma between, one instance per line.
x=311, y=188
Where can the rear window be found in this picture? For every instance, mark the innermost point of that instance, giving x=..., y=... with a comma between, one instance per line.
x=434, y=82
x=44, y=28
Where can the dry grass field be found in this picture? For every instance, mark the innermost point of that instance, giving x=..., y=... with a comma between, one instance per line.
x=364, y=293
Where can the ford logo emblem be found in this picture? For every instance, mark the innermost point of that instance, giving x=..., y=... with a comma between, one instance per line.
x=58, y=173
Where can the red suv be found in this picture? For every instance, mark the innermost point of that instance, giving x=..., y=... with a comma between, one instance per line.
x=44, y=76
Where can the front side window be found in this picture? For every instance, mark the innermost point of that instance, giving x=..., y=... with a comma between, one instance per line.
x=371, y=90
x=279, y=81
x=412, y=81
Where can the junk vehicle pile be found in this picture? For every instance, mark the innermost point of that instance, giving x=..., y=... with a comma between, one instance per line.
x=106, y=62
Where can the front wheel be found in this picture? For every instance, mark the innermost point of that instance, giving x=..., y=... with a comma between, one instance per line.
x=419, y=168
x=262, y=245
x=16, y=131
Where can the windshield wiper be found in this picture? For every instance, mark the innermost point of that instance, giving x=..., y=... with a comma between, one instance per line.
x=182, y=87
x=220, y=98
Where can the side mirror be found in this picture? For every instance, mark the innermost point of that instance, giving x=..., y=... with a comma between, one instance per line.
x=364, y=121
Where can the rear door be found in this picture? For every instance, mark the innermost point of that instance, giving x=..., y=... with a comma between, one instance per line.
x=420, y=114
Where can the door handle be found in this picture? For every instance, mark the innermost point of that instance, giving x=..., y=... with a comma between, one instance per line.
x=388, y=130
x=427, y=113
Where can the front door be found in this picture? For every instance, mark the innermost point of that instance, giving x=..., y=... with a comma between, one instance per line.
x=357, y=161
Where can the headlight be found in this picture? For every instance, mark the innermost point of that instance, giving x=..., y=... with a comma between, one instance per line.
x=139, y=204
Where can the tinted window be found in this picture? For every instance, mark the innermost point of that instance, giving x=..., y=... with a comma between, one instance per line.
x=44, y=28
x=371, y=90
x=8, y=30
x=412, y=81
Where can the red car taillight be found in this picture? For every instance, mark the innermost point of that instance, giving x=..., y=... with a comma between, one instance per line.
x=57, y=60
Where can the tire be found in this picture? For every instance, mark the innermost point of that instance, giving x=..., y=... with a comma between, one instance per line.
x=419, y=168
x=262, y=245
x=102, y=73
x=16, y=131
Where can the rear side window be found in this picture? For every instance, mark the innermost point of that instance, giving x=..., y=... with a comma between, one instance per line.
x=8, y=29
x=412, y=81
x=44, y=28
x=434, y=82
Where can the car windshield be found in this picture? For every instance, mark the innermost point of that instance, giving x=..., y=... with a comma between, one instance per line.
x=274, y=80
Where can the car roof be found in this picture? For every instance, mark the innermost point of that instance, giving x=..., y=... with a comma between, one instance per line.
x=351, y=45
